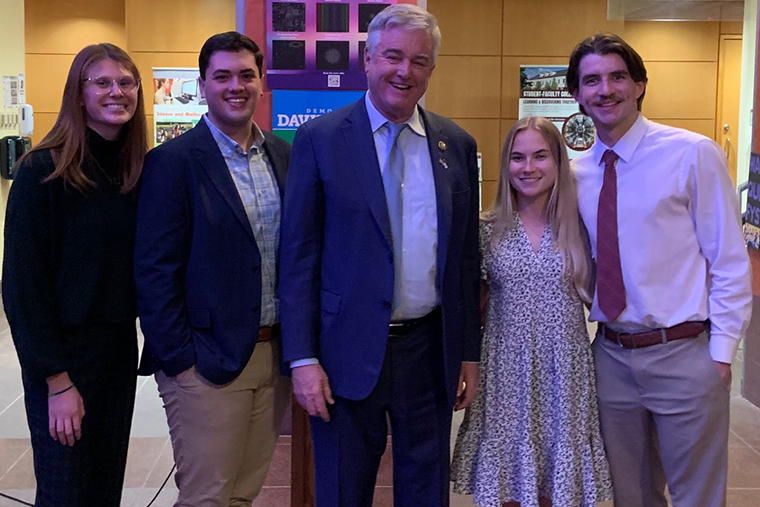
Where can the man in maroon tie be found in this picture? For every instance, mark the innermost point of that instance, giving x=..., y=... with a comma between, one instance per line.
x=672, y=286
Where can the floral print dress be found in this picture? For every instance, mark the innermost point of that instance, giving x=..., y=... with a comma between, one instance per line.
x=533, y=429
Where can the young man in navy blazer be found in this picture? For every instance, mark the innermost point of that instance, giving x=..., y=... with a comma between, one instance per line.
x=379, y=275
x=208, y=224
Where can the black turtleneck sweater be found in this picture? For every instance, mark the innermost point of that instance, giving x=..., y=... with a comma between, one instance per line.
x=68, y=259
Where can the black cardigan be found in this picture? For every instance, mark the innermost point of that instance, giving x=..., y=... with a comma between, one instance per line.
x=68, y=258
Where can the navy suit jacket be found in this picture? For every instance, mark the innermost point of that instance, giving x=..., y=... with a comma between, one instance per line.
x=336, y=258
x=197, y=265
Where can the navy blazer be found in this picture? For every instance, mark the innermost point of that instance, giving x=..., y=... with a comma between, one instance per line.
x=197, y=265
x=336, y=259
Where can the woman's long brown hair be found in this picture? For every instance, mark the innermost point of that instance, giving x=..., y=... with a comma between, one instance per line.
x=67, y=140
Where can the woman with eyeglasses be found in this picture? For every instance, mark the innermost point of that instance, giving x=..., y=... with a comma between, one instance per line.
x=67, y=282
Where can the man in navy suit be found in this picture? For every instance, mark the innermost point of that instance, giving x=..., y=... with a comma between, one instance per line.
x=208, y=223
x=379, y=275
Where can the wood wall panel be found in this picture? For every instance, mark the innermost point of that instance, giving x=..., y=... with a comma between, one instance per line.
x=510, y=79
x=687, y=41
x=488, y=193
x=176, y=27
x=552, y=27
x=43, y=122
x=468, y=30
x=704, y=127
x=465, y=87
x=506, y=124
x=487, y=134
x=145, y=63
x=681, y=90
x=45, y=77
x=731, y=28
x=58, y=27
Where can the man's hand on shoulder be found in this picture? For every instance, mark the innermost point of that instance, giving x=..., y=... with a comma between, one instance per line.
x=312, y=390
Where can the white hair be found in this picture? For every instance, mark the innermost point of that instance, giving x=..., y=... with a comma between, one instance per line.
x=407, y=17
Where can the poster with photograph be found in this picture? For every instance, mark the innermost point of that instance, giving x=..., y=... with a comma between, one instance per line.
x=291, y=108
x=752, y=215
x=177, y=102
x=543, y=92
x=319, y=45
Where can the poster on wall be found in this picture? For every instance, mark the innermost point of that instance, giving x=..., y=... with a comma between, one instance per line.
x=292, y=108
x=11, y=91
x=319, y=45
x=543, y=92
x=752, y=215
x=177, y=102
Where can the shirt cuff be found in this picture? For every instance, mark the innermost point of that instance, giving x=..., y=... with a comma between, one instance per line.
x=723, y=348
x=470, y=362
x=303, y=362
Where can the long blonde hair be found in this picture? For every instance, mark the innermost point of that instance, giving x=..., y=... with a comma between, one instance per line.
x=561, y=212
x=67, y=139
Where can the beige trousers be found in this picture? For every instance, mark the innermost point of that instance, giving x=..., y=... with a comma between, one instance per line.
x=223, y=437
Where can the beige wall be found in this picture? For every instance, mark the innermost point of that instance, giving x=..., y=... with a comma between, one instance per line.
x=477, y=77
x=11, y=64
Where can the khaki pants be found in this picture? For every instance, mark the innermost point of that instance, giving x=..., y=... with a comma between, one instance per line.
x=223, y=437
x=664, y=418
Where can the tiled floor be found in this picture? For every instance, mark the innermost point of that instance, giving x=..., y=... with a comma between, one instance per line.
x=150, y=458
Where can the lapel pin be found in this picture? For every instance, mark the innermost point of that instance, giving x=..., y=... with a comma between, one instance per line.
x=442, y=145
x=443, y=162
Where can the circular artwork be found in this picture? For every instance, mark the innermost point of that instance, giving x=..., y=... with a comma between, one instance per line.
x=578, y=131
x=332, y=55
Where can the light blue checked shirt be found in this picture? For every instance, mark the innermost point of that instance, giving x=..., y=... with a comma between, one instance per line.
x=255, y=182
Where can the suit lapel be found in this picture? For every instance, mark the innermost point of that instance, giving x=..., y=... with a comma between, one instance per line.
x=362, y=155
x=442, y=176
x=213, y=163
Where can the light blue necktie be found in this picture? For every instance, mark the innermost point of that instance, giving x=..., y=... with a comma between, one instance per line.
x=393, y=180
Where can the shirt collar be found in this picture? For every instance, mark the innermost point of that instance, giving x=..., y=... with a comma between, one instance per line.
x=627, y=144
x=377, y=120
x=227, y=145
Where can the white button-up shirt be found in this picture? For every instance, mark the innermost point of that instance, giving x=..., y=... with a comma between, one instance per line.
x=682, y=251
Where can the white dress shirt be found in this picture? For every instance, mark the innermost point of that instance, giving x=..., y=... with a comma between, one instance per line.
x=682, y=251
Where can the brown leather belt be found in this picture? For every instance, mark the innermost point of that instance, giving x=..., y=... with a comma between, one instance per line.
x=403, y=327
x=655, y=336
x=267, y=333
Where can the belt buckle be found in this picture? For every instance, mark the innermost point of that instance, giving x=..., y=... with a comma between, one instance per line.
x=619, y=341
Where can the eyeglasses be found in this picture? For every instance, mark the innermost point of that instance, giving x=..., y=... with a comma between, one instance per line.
x=103, y=84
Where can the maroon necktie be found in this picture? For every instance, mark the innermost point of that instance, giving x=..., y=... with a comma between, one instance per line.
x=609, y=276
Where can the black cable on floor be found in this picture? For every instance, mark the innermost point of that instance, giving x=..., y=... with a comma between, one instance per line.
x=9, y=497
x=162, y=485
x=23, y=502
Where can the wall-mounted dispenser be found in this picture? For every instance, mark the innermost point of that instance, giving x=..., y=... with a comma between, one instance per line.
x=11, y=150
